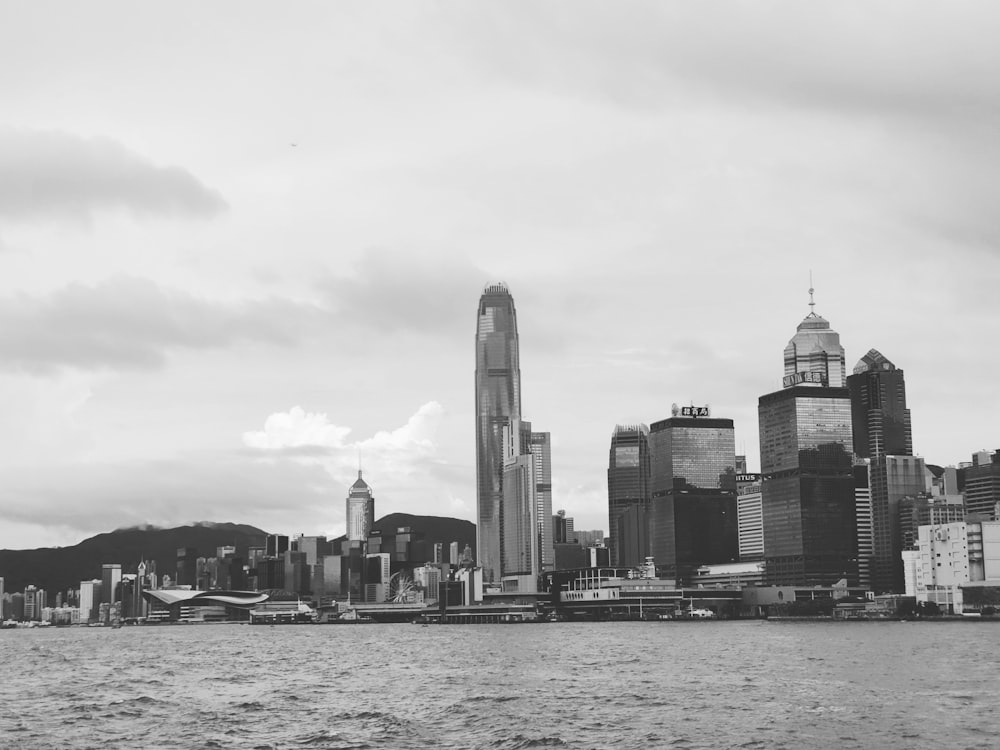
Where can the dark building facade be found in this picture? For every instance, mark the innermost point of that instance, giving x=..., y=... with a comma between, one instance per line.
x=692, y=516
x=498, y=403
x=628, y=494
x=807, y=489
x=881, y=431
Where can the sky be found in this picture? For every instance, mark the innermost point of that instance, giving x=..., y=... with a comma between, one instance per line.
x=242, y=244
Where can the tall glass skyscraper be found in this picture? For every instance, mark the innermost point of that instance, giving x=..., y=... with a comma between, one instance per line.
x=807, y=498
x=628, y=495
x=498, y=404
x=882, y=436
x=692, y=510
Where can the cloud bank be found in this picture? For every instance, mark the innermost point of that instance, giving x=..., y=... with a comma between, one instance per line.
x=46, y=174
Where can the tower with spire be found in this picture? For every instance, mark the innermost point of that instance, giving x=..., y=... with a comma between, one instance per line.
x=360, y=510
x=806, y=456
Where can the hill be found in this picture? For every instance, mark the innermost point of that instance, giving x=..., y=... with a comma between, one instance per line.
x=61, y=568
x=434, y=528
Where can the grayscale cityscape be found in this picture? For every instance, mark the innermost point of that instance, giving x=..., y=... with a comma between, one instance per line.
x=729, y=472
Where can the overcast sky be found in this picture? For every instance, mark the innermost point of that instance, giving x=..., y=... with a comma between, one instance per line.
x=242, y=243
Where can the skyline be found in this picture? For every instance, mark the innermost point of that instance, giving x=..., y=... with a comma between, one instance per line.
x=223, y=273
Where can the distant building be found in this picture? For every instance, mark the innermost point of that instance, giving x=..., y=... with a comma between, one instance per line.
x=111, y=576
x=187, y=570
x=953, y=556
x=806, y=444
x=692, y=510
x=628, y=494
x=562, y=529
x=498, y=405
x=275, y=545
x=90, y=600
x=360, y=510
x=982, y=486
x=882, y=436
x=749, y=516
x=927, y=510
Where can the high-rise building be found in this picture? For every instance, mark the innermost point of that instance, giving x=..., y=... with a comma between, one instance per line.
x=692, y=509
x=881, y=431
x=540, y=447
x=982, y=486
x=879, y=417
x=562, y=529
x=628, y=495
x=275, y=545
x=498, y=404
x=360, y=510
x=526, y=527
x=807, y=498
x=111, y=576
x=90, y=600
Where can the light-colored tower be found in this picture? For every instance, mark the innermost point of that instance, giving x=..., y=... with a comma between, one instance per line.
x=498, y=404
x=360, y=510
x=814, y=355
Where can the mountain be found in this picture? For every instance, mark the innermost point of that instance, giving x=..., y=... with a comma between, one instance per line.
x=434, y=528
x=61, y=568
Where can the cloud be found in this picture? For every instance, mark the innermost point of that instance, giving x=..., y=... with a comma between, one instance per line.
x=51, y=173
x=80, y=499
x=131, y=323
x=396, y=291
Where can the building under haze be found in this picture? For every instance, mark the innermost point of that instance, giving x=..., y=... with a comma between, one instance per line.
x=807, y=489
x=360, y=512
x=628, y=495
x=692, y=507
x=498, y=405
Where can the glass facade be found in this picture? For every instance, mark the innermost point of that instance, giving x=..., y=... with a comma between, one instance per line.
x=815, y=349
x=807, y=498
x=628, y=494
x=498, y=401
x=692, y=512
x=360, y=510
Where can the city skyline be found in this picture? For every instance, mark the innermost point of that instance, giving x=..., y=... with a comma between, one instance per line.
x=223, y=274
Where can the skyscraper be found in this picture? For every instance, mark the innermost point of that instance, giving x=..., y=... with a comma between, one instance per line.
x=692, y=508
x=807, y=492
x=628, y=494
x=360, y=510
x=498, y=405
x=881, y=435
x=540, y=447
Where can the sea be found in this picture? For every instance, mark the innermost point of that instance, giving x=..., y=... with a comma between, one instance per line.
x=714, y=684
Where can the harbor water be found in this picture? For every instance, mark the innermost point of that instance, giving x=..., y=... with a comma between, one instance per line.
x=750, y=684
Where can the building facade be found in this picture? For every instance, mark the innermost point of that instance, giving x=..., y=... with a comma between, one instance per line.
x=982, y=486
x=498, y=403
x=882, y=437
x=807, y=490
x=360, y=512
x=628, y=495
x=692, y=508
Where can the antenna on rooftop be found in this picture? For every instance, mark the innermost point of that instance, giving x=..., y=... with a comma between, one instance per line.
x=812, y=302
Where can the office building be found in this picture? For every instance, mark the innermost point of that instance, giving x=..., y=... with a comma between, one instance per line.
x=982, y=486
x=90, y=600
x=628, y=494
x=275, y=545
x=749, y=515
x=927, y=510
x=562, y=529
x=360, y=513
x=540, y=448
x=527, y=521
x=187, y=569
x=692, y=509
x=111, y=577
x=498, y=405
x=808, y=498
x=882, y=439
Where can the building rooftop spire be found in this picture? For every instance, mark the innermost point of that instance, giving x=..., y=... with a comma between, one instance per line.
x=812, y=302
